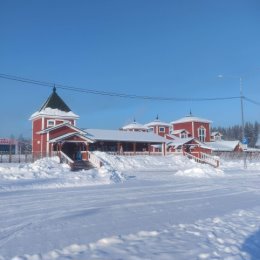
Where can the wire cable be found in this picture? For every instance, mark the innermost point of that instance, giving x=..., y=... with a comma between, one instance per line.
x=110, y=93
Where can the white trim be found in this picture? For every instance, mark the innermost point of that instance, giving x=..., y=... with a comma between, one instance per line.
x=62, y=137
x=41, y=145
x=160, y=128
x=51, y=120
x=205, y=133
x=192, y=129
x=43, y=123
x=47, y=143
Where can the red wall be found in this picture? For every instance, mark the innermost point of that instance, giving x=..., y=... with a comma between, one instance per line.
x=156, y=130
x=37, y=126
x=188, y=126
x=39, y=142
x=61, y=131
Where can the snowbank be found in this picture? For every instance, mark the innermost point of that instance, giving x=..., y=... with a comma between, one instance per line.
x=49, y=173
x=175, y=164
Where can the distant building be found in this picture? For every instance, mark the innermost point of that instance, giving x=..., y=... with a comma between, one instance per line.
x=196, y=127
x=215, y=136
x=135, y=127
x=158, y=127
x=8, y=145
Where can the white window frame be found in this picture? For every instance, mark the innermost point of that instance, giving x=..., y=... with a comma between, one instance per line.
x=202, y=135
x=160, y=129
x=51, y=121
x=184, y=135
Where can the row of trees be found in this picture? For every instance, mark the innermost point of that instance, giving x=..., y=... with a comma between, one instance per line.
x=235, y=132
x=23, y=143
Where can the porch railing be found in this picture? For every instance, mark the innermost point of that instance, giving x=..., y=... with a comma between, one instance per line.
x=66, y=159
x=135, y=153
x=203, y=158
x=209, y=159
x=94, y=160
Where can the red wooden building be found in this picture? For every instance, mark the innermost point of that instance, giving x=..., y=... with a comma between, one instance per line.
x=195, y=127
x=158, y=127
x=54, y=130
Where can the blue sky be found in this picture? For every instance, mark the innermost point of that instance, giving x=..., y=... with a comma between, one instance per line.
x=158, y=48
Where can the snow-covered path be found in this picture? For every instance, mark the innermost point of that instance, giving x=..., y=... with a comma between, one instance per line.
x=151, y=215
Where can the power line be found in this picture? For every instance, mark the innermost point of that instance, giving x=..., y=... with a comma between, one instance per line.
x=252, y=101
x=110, y=93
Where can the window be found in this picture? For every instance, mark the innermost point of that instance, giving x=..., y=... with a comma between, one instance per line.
x=50, y=123
x=202, y=134
x=161, y=129
x=150, y=129
x=184, y=134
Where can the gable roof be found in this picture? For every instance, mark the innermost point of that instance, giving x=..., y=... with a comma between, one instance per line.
x=49, y=129
x=182, y=141
x=68, y=135
x=216, y=133
x=190, y=118
x=223, y=146
x=175, y=132
x=123, y=136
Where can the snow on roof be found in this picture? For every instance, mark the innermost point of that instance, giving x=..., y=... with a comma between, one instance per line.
x=191, y=119
x=173, y=137
x=180, y=141
x=175, y=132
x=46, y=130
x=62, y=137
x=123, y=136
x=216, y=133
x=54, y=113
x=134, y=125
x=157, y=122
x=225, y=146
x=54, y=101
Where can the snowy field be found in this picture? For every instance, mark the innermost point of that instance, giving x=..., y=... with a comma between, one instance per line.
x=132, y=208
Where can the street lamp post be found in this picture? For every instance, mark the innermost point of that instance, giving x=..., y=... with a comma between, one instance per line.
x=242, y=120
x=242, y=115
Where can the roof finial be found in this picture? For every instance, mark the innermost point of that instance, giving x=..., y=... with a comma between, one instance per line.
x=190, y=113
x=134, y=120
x=54, y=88
x=157, y=117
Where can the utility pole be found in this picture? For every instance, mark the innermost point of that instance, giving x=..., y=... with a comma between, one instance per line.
x=244, y=140
x=242, y=121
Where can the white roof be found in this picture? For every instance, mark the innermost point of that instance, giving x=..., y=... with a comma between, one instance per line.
x=216, y=133
x=222, y=146
x=191, y=119
x=157, y=122
x=175, y=132
x=181, y=141
x=62, y=137
x=134, y=125
x=46, y=130
x=54, y=113
x=123, y=136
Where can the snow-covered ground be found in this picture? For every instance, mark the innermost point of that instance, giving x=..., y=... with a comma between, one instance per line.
x=142, y=207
